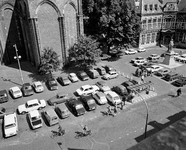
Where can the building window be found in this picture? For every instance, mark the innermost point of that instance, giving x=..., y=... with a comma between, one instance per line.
x=153, y=39
x=159, y=23
x=145, y=7
x=142, y=39
x=181, y=36
x=184, y=38
x=144, y=24
x=151, y=7
x=156, y=7
x=154, y=23
x=148, y=38
x=149, y=24
x=177, y=36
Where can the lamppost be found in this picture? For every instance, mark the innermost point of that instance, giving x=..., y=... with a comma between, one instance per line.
x=147, y=116
x=17, y=57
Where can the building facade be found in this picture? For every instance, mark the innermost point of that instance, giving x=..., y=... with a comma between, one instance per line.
x=37, y=24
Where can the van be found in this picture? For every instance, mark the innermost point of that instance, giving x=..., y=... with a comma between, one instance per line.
x=51, y=116
x=62, y=111
x=92, y=73
x=113, y=97
x=172, y=76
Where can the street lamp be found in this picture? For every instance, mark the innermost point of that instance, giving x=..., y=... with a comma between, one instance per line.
x=17, y=57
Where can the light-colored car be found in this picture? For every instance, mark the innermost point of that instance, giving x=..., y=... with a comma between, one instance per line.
x=100, y=97
x=73, y=77
x=103, y=86
x=10, y=125
x=113, y=97
x=38, y=86
x=137, y=59
x=31, y=105
x=35, y=119
x=15, y=92
x=51, y=116
x=154, y=57
x=139, y=62
x=130, y=51
x=87, y=89
x=141, y=50
x=154, y=68
x=110, y=75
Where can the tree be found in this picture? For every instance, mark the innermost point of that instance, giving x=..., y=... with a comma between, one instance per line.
x=49, y=61
x=85, y=53
x=116, y=23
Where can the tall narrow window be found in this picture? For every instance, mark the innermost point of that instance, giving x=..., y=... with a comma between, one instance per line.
x=156, y=7
x=144, y=24
x=151, y=7
x=154, y=23
x=148, y=38
x=145, y=7
x=149, y=24
x=159, y=23
x=153, y=38
x=142, y=39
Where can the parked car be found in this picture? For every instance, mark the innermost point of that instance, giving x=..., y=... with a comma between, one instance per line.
x=154, y=68
x=35, y=119
x=154, y=57
x=63, y=80
x=88, y=102
x=76, y=106
x=3, y=96
x=62, y=111
x=180, y=82
x=31, y=105
x=120, y=90
x=130, y=51
x=52, y=84
x=59, y=98
x=129, y=83
x=87, y=89
x=15, y=92
x=82, y=75
x=136, y=59
x=51, y=116
x=103, y=86
x=27, y=89
x=100, y=97
x=2, y=112
x=110, y=75
x=162, y=72
x=109, y=68
x=92, y=73
x=38, y=86
x=139, y=62
x=101, y=70
x=10, y=125
x=172, y=76
x=73, y=77
x=141, y=50
x=113, y=97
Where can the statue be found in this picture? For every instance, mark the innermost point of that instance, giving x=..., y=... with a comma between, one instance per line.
x=170, y=46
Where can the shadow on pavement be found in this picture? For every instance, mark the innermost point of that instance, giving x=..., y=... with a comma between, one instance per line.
x=158, y=126
x=9, y=80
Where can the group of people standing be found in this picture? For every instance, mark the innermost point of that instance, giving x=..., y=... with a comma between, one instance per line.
x=141, y=71
x=112, y=110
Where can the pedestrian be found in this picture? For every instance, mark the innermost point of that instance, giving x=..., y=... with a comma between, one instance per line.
x=109, y=110
x=142, y=78
x=115, y=107
x=150, y=72
x=179, y=92
x=122, y=105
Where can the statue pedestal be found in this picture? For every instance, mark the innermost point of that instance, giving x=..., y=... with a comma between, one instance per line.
x=169, y=58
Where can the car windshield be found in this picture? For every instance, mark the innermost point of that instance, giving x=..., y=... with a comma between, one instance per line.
x=54, y=118
x=82, y=89
x=52, y=82
x=116, y=98
x=3, y=95
x=28, y=87
x=91, y=101
x=79, y=106
x=36, y=122
x=10, y=126
x=38, y=86
x=35, y=118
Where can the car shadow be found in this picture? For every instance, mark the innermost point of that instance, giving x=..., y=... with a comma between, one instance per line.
x=44, y=119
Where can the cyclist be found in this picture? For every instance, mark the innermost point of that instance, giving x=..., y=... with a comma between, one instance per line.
x=85, y=129
x=60, y=130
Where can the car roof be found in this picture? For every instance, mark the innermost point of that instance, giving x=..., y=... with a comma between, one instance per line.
x=72, y=74
x=30, y=102
x=86, y=86
x=26, y=84
x=112, y=93
x=34, y=113
x=100, y=94
x=62, y=106
x=3, y=92
x=37, y=83
x=51, y=112
x=9, y=118
x=51, y=79
x=101, y=82
x=15, y=88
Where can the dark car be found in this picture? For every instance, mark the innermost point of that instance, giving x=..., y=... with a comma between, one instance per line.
x=82, y=75
x=76, y=106
x=129, y=83
x=101, y=70
x=63, y=80
x=3, y=96
x=62, y=111
x=180, y=82
x=59, y=98
x=109, y=68
x=120, y=89
x=27, y=89
x=92, y=73
x=88, y=102
x=172, y=76
x=162, y=72
x=2, y=112
x=52, y=84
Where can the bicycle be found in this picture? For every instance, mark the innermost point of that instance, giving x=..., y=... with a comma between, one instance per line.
x=82, y=134
x=57, y=133
x=107, y=113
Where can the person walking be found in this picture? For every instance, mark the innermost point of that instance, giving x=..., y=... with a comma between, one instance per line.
x=122, y=105
x=109, y=110
x=115, y=107
x=142, y=78
x=179, y=92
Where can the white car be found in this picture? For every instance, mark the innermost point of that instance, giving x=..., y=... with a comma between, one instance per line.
x=73, y=77
x=130, y=51
x=35, y=119
x=113, y=97
x=10, y=125
x=87, y=89
x=154, y=57
x=38, y=87
x=110, y=75
x=100, y=97
x=103, y=86
x=141, y=50
x=139, y=62
x=154, y=68
x=31, y=105
x=15, y=92
x=136, y=59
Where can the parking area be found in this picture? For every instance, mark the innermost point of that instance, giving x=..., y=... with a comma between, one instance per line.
x=11, y=77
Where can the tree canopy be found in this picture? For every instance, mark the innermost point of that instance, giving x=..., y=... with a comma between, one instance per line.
x=114, y=22
x=85, y=53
